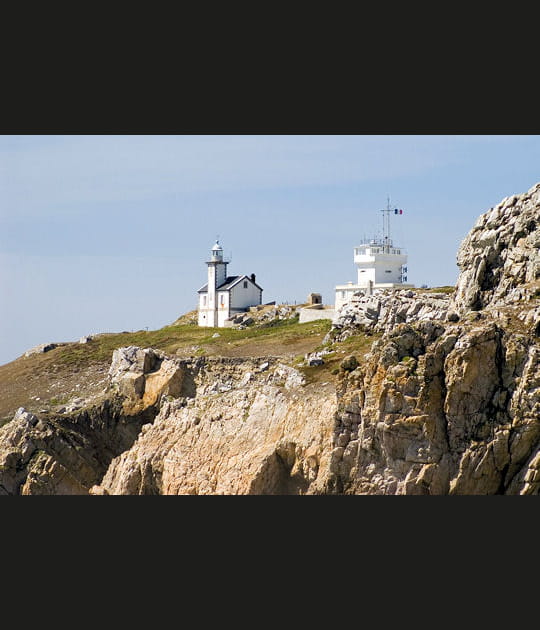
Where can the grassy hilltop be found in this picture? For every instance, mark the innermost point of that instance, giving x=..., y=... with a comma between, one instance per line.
x=48, y=381
x=71, y=371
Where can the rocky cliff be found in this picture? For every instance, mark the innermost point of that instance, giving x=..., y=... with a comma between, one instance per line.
x=448, y=400
x=246, y=426
x=500, y=257
x=413, y=392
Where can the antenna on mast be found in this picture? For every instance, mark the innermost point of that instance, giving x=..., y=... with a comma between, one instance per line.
x=386, y=227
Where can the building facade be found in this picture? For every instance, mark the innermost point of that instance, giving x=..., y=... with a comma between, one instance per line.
x=224, y=296
x=380, y=265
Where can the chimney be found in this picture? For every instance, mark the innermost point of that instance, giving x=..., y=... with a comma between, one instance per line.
x=252, y=277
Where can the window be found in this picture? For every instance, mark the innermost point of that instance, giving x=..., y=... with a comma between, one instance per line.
x=221, y=299
x=204, y=300
x=343, y=294
x=245, y=284
x=388, y=271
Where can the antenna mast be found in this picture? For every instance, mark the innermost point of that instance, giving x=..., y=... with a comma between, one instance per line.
x=386, y=227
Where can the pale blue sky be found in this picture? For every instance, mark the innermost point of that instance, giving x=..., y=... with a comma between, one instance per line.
x=110, y=233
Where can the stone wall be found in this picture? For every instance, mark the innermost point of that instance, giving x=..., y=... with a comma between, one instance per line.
x=311, y=314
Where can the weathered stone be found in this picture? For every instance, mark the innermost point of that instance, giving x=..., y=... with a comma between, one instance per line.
x=25, y=416
x=349, y=363
x=132, y=359
x=384, y=310
x=497, y=257
x=44, y=347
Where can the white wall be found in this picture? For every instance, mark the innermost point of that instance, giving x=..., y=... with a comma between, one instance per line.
x=311, y=314
x=377, y=266
x=243, y=297
x=223, y=307
x=348, y=290
x=365, y=275
x=392, y=265
x=211, y=286
x=207, y=315
x=205, y=318
x=221, y=273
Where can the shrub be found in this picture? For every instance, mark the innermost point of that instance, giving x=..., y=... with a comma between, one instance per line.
x=349, y=363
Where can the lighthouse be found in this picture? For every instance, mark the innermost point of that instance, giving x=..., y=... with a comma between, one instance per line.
x=223, y=296
x=217, y=273
x=381, y=264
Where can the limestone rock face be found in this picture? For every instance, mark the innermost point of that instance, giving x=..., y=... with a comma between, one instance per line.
x=142, y=376
x=66, y=453
x=441, y=409
x=132, y=359
x=500, y=259
x=385, y=309
x=436, y=407
x=247, y=430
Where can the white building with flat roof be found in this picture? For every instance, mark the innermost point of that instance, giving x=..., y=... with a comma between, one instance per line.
x=380, y=265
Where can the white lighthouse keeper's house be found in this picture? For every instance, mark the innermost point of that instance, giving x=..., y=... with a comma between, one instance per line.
x=225, y=296
x=380, y=265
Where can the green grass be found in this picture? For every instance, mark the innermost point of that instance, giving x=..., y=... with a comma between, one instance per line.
x=358, y=345
x=59, y=400
x=184, y=337
x=444, y=289
x=101, y=347
x=276, y=329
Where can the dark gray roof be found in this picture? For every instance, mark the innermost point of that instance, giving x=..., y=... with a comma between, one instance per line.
x=225, y=285
x=230, y=281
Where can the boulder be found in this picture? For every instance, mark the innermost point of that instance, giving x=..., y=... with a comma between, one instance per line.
x=25, y=416
x=44, y=347
x=144, y=375
x=132, y=359
x=349, y=363
x=314, y=358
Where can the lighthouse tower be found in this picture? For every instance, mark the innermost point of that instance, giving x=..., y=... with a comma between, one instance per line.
x=380, y=263
x=217, y=274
